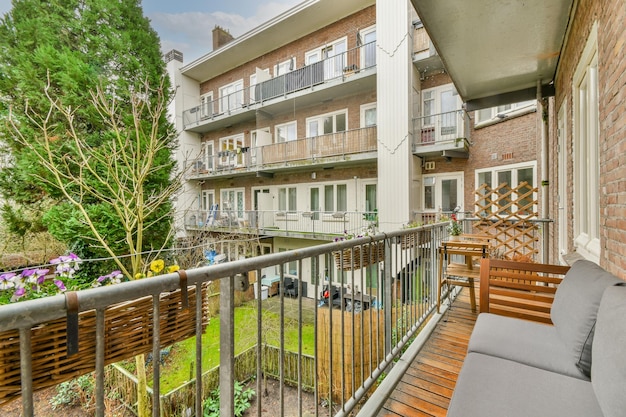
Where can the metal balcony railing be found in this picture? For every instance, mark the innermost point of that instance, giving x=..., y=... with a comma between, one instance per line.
x=372, y=293
x=449, y=127
x=340, y=66
x=312, y=149
x=282, y=222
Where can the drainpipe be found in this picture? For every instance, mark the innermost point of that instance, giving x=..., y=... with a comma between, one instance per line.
x=542, y=111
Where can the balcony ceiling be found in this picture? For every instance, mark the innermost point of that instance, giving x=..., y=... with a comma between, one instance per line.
x=303, y=19
x=496, y=50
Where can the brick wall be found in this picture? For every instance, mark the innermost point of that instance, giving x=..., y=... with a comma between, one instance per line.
x=347, y=27
x=611, y=18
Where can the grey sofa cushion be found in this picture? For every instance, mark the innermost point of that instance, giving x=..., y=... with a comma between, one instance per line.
x=575, y=309
x=494, y=387
x=608, y=373
x=522, y=341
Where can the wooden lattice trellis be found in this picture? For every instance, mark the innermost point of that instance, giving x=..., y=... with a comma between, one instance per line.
x=504, y=213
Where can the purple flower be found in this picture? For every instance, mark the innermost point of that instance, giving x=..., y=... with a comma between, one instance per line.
x=59, y=285
x=19, y=293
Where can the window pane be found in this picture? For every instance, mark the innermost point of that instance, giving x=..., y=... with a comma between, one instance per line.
x=342, y=197
x=448, y=195
x=328, y=124
x=282, y=199
x=483, y=114
x=524, y=204
x=484, y=178
x=370, y=198
x=370, y=117
x=340, y=121
x=504, y=185
x=292, y=199
x=329, y=201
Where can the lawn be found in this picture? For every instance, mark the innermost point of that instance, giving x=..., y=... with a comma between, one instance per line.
x=180, y=366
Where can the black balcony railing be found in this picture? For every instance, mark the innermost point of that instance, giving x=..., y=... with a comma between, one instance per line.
x=372, y=293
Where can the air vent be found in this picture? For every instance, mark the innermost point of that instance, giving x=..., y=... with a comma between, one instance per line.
x=429, y=166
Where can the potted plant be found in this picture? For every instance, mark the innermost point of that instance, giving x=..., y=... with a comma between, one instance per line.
x=455, y=228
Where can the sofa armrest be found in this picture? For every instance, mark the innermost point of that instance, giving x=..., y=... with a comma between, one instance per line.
x=519, y=289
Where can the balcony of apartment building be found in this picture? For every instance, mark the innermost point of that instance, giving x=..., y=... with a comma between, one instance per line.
x=443, y=134
x=328, y=150
x=381, y=301
x=339, y=74
x=319, y=225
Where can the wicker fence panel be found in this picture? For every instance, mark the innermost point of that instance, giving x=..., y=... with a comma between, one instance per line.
x=128, y=332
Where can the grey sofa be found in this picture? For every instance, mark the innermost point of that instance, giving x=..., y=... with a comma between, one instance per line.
x=575, y=368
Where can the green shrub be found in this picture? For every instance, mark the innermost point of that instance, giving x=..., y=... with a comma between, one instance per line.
x=211, y=405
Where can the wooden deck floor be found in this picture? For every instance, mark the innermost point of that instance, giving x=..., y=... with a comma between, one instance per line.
x=426, y=387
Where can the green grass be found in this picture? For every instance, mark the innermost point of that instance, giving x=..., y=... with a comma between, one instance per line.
x=180, y=366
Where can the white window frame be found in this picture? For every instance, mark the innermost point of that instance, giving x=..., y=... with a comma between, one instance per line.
x=335, y=208
x=206, y=104
x=514, y=168
x=229, y=154
x=491, y=115
x=231, y=96
x=586, y=133
x=319, y=120
x=364, y=109
x=207, y=199
x=253, y=83
x=367, y=48
x=277, y=129
x=285, y=66
x=208, y=155
x=238, y=194
x=285, y=202
x=434, y=125
x=437, y=198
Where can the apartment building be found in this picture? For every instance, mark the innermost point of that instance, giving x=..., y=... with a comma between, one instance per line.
x=333, y=118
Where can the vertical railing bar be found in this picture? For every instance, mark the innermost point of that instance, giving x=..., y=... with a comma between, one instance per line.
x=156, y=355
x=353, y=341
x=100, y=344
x=227, y=347
x=282, y=339
x=300, y=337
x=199, y=317
x=259, y=344
x=26, y=372
x=327, y=259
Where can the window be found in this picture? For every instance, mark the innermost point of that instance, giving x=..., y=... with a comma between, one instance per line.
x=233, y=202
x=258, y=77
x=287, y=199
x=441, y=119
x=335, y=198
x=494, y=114
x=207, y=200
x=334, y=58
x=507, y=178
x=586, y=144
x=206, y=104
x=328, y=123
x=207, y=156
x=230, y=154
x=367, y=39
x=368, y=115
x=371, y=205
x=286, y=132
x=231, y=96
x=443, y=192
x=285, y=67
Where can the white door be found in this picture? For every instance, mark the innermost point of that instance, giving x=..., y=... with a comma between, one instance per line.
x=443, y=192
x=266, y=209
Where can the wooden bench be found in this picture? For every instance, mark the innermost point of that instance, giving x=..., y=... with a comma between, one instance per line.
x=519, y=289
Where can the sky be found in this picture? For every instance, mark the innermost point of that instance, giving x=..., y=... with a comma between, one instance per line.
x=186, y=25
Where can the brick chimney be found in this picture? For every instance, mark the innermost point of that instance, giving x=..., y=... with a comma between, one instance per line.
x=220, y=37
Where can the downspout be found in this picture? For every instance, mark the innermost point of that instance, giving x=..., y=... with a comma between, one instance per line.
x=542, y=111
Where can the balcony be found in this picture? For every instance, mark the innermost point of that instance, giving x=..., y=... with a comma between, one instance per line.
x=444, y=134
x=333, y=149
x=425, y=56
x=332, y=77
x=375, y=312
x=302, y=224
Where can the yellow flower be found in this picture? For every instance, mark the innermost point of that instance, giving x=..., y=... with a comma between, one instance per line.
x=172, y=268
x=139, y=275
x=157, y=265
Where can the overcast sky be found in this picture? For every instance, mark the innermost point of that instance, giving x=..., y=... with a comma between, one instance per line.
x=186, y=25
